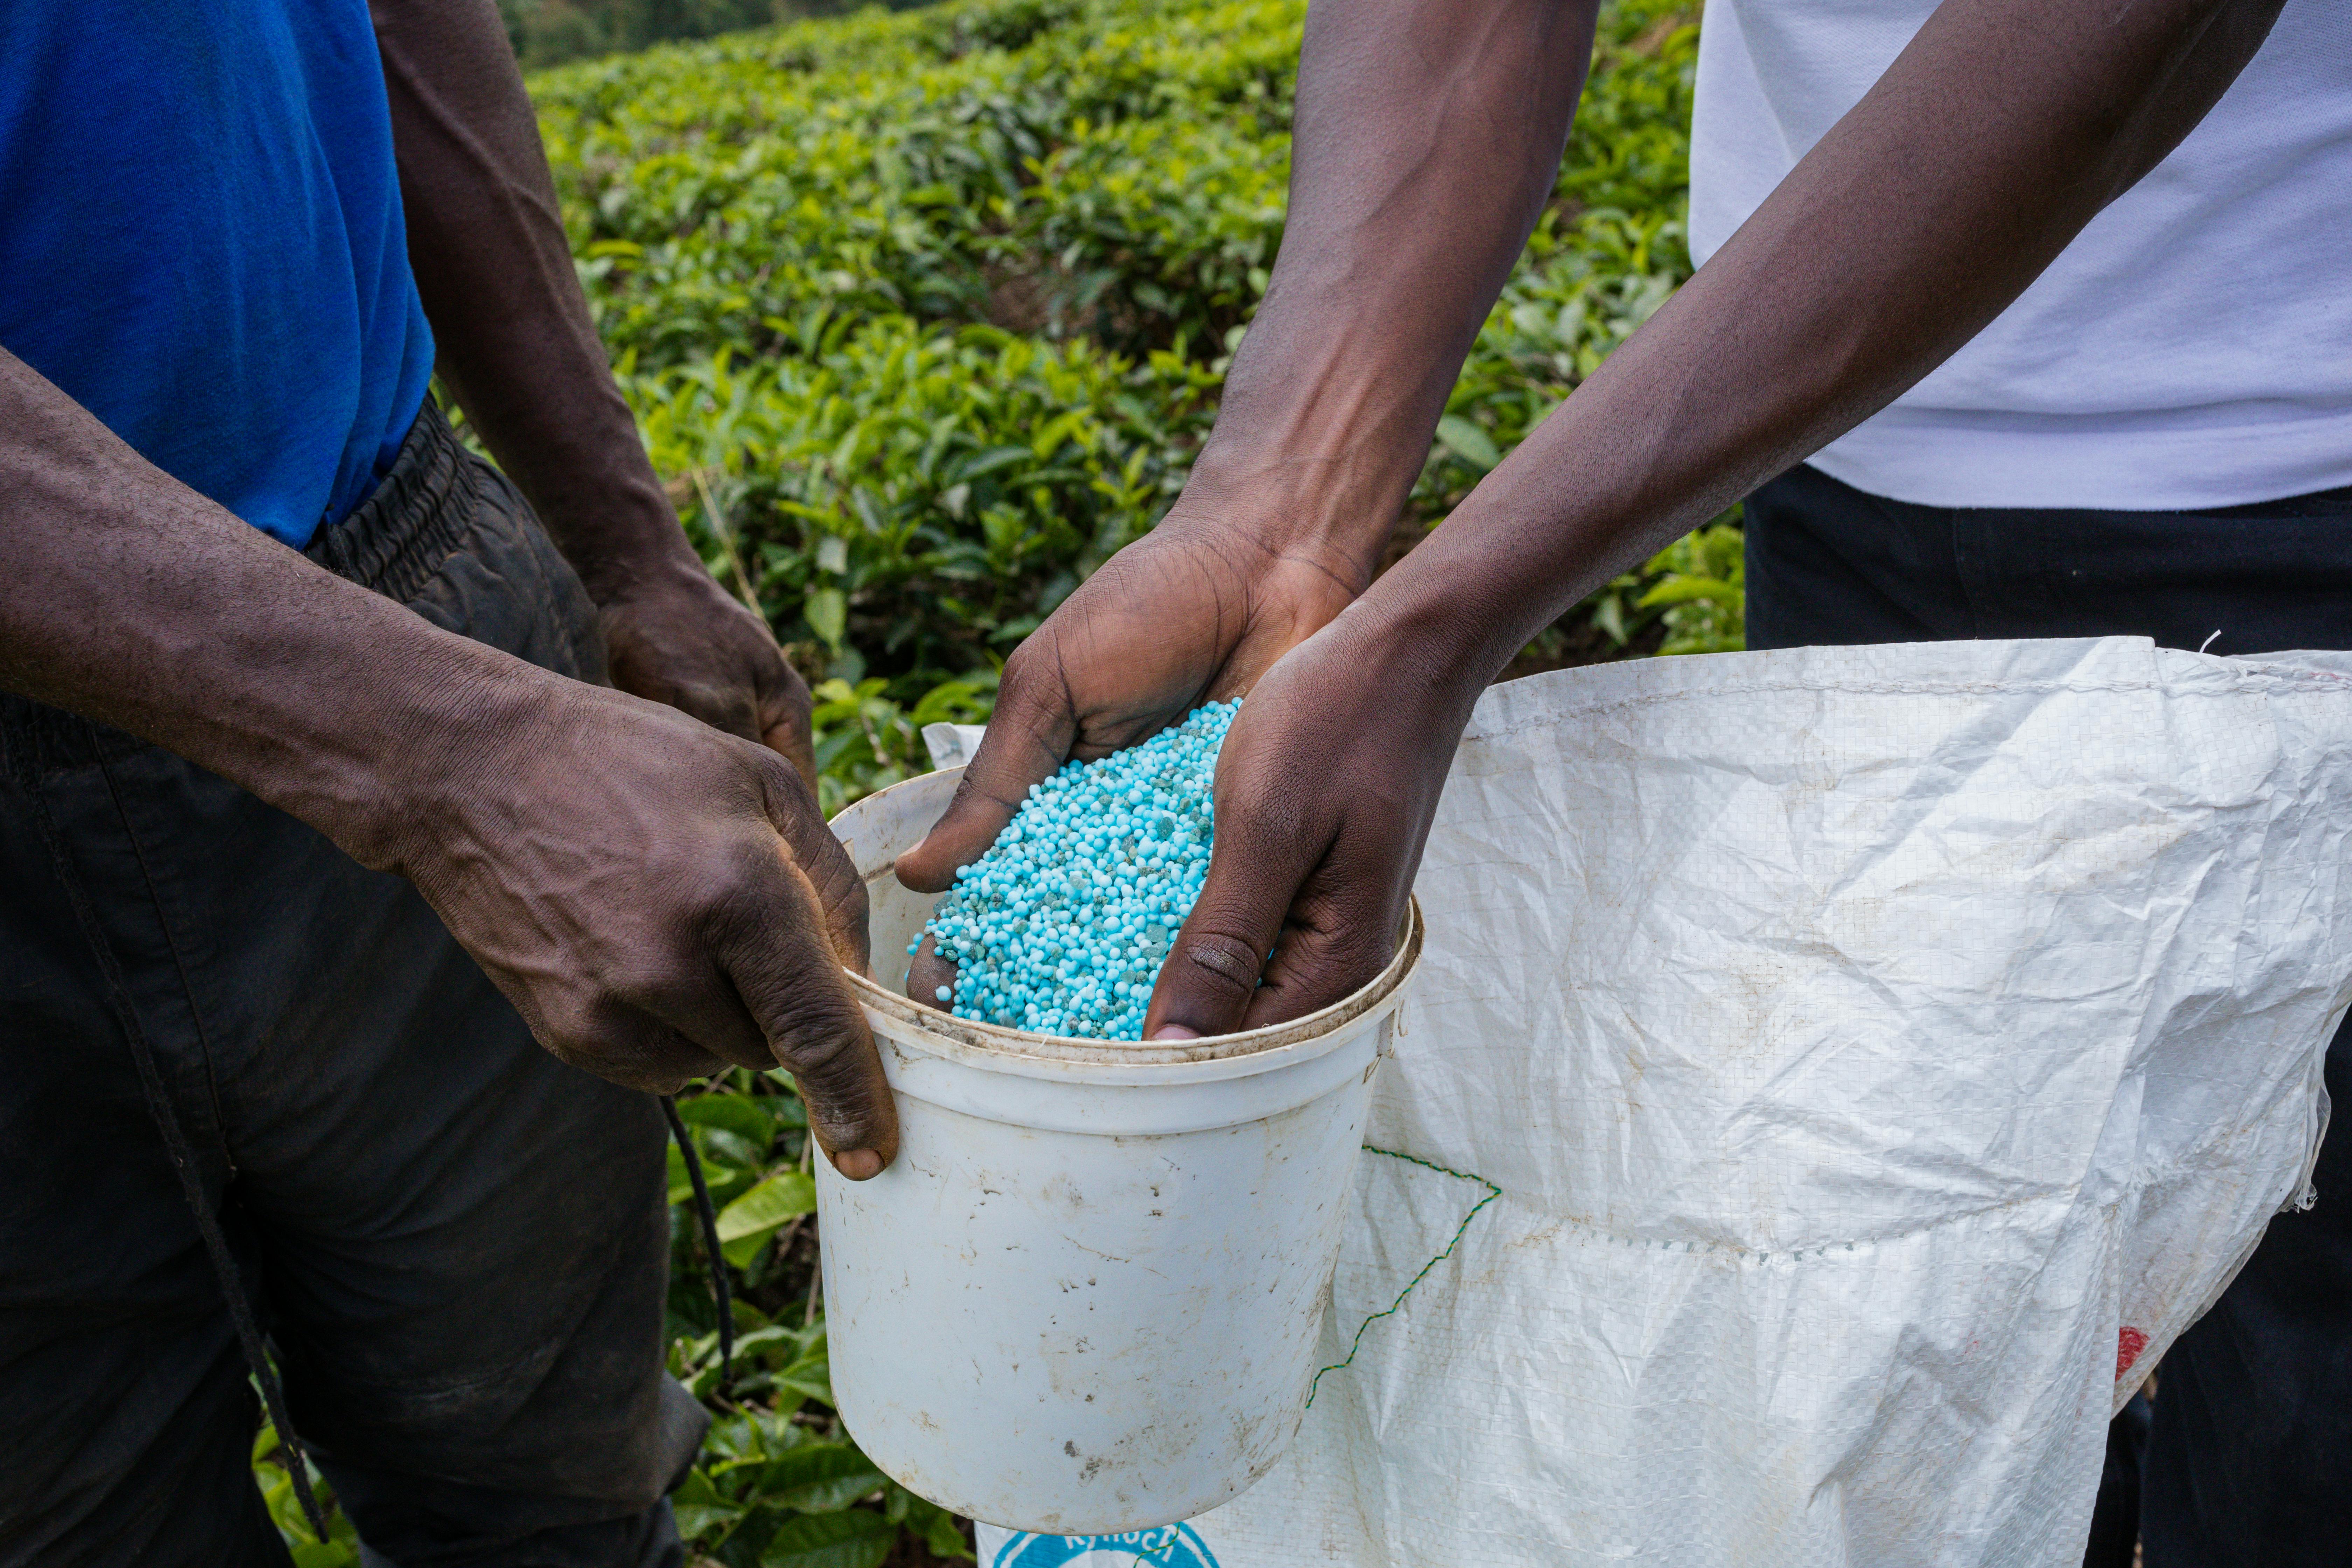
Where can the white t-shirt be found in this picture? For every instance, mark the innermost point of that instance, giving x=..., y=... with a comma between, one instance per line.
x=2191, y=348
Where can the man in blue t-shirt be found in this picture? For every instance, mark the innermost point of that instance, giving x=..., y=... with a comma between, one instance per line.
x=318, y=808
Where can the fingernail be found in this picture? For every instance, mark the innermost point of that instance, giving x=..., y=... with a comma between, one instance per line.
x=859, y=1164
x=1175, y=1032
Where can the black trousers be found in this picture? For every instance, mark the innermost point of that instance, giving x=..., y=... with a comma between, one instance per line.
x=458, y=1243
x=2249, y=1461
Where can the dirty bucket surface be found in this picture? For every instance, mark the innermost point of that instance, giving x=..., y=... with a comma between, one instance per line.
x=1085, y=1296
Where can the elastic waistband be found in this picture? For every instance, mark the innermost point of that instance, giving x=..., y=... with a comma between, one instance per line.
x=396, y=539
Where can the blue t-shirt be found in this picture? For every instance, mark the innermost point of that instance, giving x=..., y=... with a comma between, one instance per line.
x=200, y=242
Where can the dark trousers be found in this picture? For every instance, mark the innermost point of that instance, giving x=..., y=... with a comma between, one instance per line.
x=2248, y=1463
x=458, y=1245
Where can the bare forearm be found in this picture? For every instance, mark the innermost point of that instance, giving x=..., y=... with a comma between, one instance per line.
x=131, y=599
x=494, y=268
x=1991, y=141
x=1426, y=139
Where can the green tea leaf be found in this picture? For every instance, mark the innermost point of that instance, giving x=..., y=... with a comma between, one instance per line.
x=1683, y=590
x=741, y=1114
x=1468, y=442
x=701, y=1507
x=782, y=1197
x=852, y=1538
x=811, y=1377
x=819, y=1478
x=935, y=1525
x=827, y=614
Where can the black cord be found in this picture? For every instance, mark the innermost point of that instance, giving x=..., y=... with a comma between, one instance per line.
x=710, y=1240
x=150, y=1081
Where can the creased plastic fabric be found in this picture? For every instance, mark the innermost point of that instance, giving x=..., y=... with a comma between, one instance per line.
x=1882, y=1052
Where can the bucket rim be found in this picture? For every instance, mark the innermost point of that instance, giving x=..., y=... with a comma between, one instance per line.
x=1004, y=1047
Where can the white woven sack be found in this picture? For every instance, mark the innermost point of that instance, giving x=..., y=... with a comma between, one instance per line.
x=1835, y=1077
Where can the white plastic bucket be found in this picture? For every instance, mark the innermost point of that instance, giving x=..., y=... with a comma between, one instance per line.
x=1085, y=1296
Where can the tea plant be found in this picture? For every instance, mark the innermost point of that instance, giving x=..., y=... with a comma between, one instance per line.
x=925, y=315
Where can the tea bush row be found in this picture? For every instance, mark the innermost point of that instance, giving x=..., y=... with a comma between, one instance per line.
x=924, y=315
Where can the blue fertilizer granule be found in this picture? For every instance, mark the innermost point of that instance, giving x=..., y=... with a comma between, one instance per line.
x=1062, y=926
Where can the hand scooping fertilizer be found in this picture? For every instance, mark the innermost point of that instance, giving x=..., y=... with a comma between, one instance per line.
x=1061, y=927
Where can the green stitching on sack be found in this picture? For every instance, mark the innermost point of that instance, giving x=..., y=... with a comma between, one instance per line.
x=1492, y=1191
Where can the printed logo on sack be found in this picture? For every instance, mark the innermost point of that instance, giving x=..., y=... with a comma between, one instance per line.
x=1169, y=1546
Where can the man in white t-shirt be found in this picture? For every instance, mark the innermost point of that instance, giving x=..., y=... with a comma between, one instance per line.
x=2017, y=318
x=2155, y=439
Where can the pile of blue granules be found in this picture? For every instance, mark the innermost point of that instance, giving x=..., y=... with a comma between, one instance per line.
x=1062, y=926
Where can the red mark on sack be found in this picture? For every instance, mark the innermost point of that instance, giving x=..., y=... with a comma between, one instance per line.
x=2129, y=1342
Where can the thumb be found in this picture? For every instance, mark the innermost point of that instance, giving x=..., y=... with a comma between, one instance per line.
x=792, y=810
x=1028, y=738
x=784, y=718
x=785, y=969
x=795, y=745
x=928, y=975
x=1211, y=974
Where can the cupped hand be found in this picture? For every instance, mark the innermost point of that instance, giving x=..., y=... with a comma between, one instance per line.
x=1325, y=786
x=659, y=900
x=1194, y=612
x=674, y=635
x=1191, y=613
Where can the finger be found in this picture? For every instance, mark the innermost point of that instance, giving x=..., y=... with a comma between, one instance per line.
x=784, y=718
x=1028, y=738
x=697, y=1005
x=931, y=979
x=1211, y=974
x=791, y=805
x=727, y=707
x=1339, y=933
x=772, y=947
x=619, y=1043
x=651, y=1057
x=796, y=745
